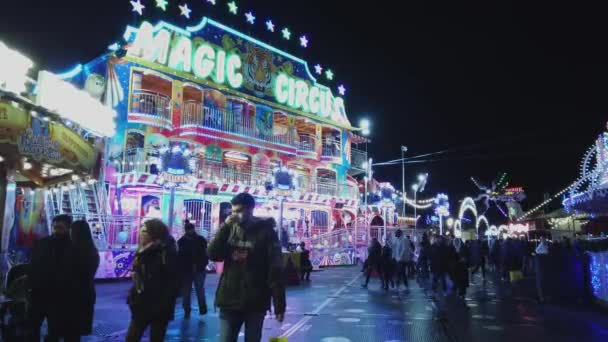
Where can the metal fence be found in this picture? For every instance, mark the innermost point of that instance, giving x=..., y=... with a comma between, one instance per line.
x=151, y=103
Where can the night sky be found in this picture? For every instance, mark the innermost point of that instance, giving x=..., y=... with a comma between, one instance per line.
x=504, y=86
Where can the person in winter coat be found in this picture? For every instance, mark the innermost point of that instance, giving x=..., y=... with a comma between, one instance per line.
x=54, y=282
x=423, y=257
x=253, y=271
x=373, y=262
x=439, y=262
x=305, y=264
x=478, y=254
x=402, y=254
x=86, y=259
x=192, y=259
x=155, y=284
x=387, y=266
x=460, y=267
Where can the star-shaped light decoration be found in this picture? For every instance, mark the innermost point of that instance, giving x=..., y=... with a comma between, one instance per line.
x=342, y=90
x=250, y=17
x=232, y=7
x=211, y=2
x=303, y=41
x=318, y=69
x=270, y=25
x=329, y=74
x=137, y=7
x=162, y=4
x=185, y=11
x=286, y=33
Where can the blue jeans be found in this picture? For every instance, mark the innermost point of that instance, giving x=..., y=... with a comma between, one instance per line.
x=198, y=278
x=231, y=322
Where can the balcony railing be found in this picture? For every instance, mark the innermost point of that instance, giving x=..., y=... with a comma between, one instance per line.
x=197, y=115
x=147, y=161
x=152, y=104
x=331, y=148
x=306, y=142
x=358, y=158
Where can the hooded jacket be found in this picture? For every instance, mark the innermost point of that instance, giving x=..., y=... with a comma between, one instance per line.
x=253, y=267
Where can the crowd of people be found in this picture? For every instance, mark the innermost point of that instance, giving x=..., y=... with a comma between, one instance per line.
x=63, y=266
x=449, y=262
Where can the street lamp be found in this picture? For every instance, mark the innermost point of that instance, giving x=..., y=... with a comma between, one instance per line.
x=364, y=125
x=418, y=187
x=403, y=150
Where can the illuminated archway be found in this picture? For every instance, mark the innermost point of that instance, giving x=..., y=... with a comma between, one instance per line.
x=482, y=219
x=468, y=204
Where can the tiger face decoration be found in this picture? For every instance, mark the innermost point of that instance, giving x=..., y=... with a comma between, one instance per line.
x=258, y=70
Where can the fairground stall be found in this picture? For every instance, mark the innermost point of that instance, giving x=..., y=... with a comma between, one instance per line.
x=50, y=150
x=206, y=112
x=589, y=195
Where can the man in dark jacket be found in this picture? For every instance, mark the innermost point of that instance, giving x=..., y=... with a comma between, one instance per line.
x=53, y=282
x=252, y=275
x=193, y=260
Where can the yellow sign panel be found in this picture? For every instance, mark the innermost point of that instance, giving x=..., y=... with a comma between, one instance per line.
x=45, y=141
x=74, y=149
x=13, y=121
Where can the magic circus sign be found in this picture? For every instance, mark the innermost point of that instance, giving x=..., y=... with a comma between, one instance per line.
x=226, y=57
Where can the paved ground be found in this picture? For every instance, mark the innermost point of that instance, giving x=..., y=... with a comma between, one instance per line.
x=334, y=308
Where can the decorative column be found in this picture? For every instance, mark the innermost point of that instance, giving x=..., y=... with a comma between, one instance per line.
x=177, y=101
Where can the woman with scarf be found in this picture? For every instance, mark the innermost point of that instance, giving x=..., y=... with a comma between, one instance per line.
x=155, y=286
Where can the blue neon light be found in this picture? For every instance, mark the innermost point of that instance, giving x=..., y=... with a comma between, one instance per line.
x=71, y=73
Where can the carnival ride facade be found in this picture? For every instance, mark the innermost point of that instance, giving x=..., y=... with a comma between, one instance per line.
x=206, y=112
x=589, y=194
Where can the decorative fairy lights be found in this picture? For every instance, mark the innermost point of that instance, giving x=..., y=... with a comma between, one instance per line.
x=162, y=4
x=286, y=33
x=250, y=17
x=211, y=2
x=318, y=69
x=184, y=10
x=232, y=7
x=329, y=74
x=544, y=203
x=137, y=7
x=342, y=90
x=269, y=25
x=303, y=41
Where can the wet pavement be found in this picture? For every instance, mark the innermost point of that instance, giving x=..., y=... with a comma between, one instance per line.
x=334, y=308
